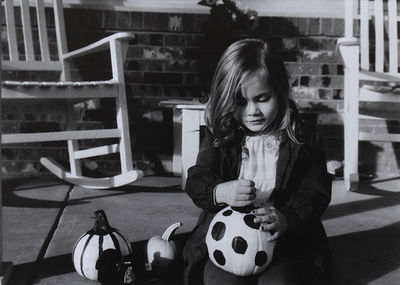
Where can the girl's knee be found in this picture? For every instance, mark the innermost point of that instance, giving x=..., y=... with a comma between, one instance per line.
x=214, y=275
x=280, y=274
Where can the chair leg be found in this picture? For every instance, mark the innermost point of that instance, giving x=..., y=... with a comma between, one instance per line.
x=190, y=140
x=118, y=52
x=351, y=126
x=75, y=164
x=351, y=154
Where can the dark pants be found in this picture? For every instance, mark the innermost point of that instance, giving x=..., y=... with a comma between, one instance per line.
x=277, y=274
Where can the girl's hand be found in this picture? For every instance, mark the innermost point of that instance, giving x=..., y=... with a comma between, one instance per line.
x=271, y=220
x=237, y=193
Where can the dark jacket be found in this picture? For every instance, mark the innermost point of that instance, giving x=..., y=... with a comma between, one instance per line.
x=302, y=193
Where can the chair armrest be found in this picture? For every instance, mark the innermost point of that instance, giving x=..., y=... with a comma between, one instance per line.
x=347, y=42
x=100, y=45
x=345, y=47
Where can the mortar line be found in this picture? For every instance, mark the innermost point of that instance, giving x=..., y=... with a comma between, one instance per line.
x=49, y=237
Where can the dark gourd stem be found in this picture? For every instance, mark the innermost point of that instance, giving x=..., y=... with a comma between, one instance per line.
x=244, y=209
x=101, y=223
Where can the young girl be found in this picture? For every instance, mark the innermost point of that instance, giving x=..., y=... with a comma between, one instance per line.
x=257, y=152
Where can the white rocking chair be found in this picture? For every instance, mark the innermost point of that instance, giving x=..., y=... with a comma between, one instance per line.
x=368, y=81
x=71, y=92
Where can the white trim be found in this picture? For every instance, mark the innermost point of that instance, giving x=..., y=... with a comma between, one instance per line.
x=278, y=8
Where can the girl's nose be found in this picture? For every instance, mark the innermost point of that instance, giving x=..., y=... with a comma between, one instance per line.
x=252, y=109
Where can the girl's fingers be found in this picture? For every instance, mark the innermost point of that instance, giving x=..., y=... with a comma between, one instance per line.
x=274, y=228
x=245, y=197
x=246, y=190
x=245, y=183
x=265, y=218
x=271, y=226
x=274, y=236
x=242, y=203
x=259, y=211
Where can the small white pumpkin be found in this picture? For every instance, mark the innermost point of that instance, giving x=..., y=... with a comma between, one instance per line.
x=161, y=251
x=237, y=244
x=90, y=246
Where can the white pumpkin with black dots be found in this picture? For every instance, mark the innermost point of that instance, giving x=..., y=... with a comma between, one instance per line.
x=237, y=244
x=102, y=245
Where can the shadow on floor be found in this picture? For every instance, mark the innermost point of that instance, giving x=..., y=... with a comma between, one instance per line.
x=13, y=187
x=362, y=257
x=380, y=199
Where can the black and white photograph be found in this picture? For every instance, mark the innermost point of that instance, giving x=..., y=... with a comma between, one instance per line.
x=200, y=142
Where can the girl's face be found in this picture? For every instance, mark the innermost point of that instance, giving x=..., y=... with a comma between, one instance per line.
x=257, y=107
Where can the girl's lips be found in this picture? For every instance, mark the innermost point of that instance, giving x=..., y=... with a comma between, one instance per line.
x=256, y=121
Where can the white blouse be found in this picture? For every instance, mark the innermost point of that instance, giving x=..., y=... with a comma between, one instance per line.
x=259, y=158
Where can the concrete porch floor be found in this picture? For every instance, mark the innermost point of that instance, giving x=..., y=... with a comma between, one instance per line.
x=43, y=218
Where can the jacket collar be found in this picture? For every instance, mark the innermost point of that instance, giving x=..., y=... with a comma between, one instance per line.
x=288, y=152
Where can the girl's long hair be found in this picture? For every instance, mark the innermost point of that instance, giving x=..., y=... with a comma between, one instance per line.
x=241, y=59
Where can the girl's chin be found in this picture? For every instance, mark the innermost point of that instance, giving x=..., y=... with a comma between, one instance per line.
x=256, y=127
x=256, y=130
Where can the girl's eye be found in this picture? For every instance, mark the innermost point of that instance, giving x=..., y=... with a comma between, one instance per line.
x=263, y=98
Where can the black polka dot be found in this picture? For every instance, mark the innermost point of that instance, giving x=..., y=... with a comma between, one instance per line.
x=239, y=245
x=227, y=213
x=249, y=221
x=218, y=231
x=261, y=258
x=219, y=257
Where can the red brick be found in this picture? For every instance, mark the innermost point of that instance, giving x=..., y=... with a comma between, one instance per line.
x=123, y=20
x=145, y=65
x=314, y=27
x=328, y=43
x=302, y=68
x=155, y=21
x=191, y=79
x=9, y=127
x=20, y=168
x=135, y=52
x=83, y=19
x=331, y=69
x=319, y=56
x=338, y=27
x=162, y=78
x=134, y=77
x=2, y=16
x=163, y=52
x=290, y=43
x=137, y=21
x=304, y=93
x=9, y=153
x=110, y=20
x=135, y=90
x=182, y=66
x=303, y=25
x=327, y=26
x=153, y=91
x=265, y=26
x=330, y=118
x=325, y=94
x=293, y=81
x=154, y=39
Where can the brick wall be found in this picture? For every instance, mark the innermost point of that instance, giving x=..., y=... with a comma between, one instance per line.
x=166, y=62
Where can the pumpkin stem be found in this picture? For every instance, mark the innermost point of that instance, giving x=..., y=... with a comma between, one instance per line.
x=101, y=222
x=170, y=230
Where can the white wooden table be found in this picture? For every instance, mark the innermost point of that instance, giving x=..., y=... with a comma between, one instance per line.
x=188, y=117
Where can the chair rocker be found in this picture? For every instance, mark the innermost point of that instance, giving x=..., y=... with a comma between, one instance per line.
x=70, y=92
